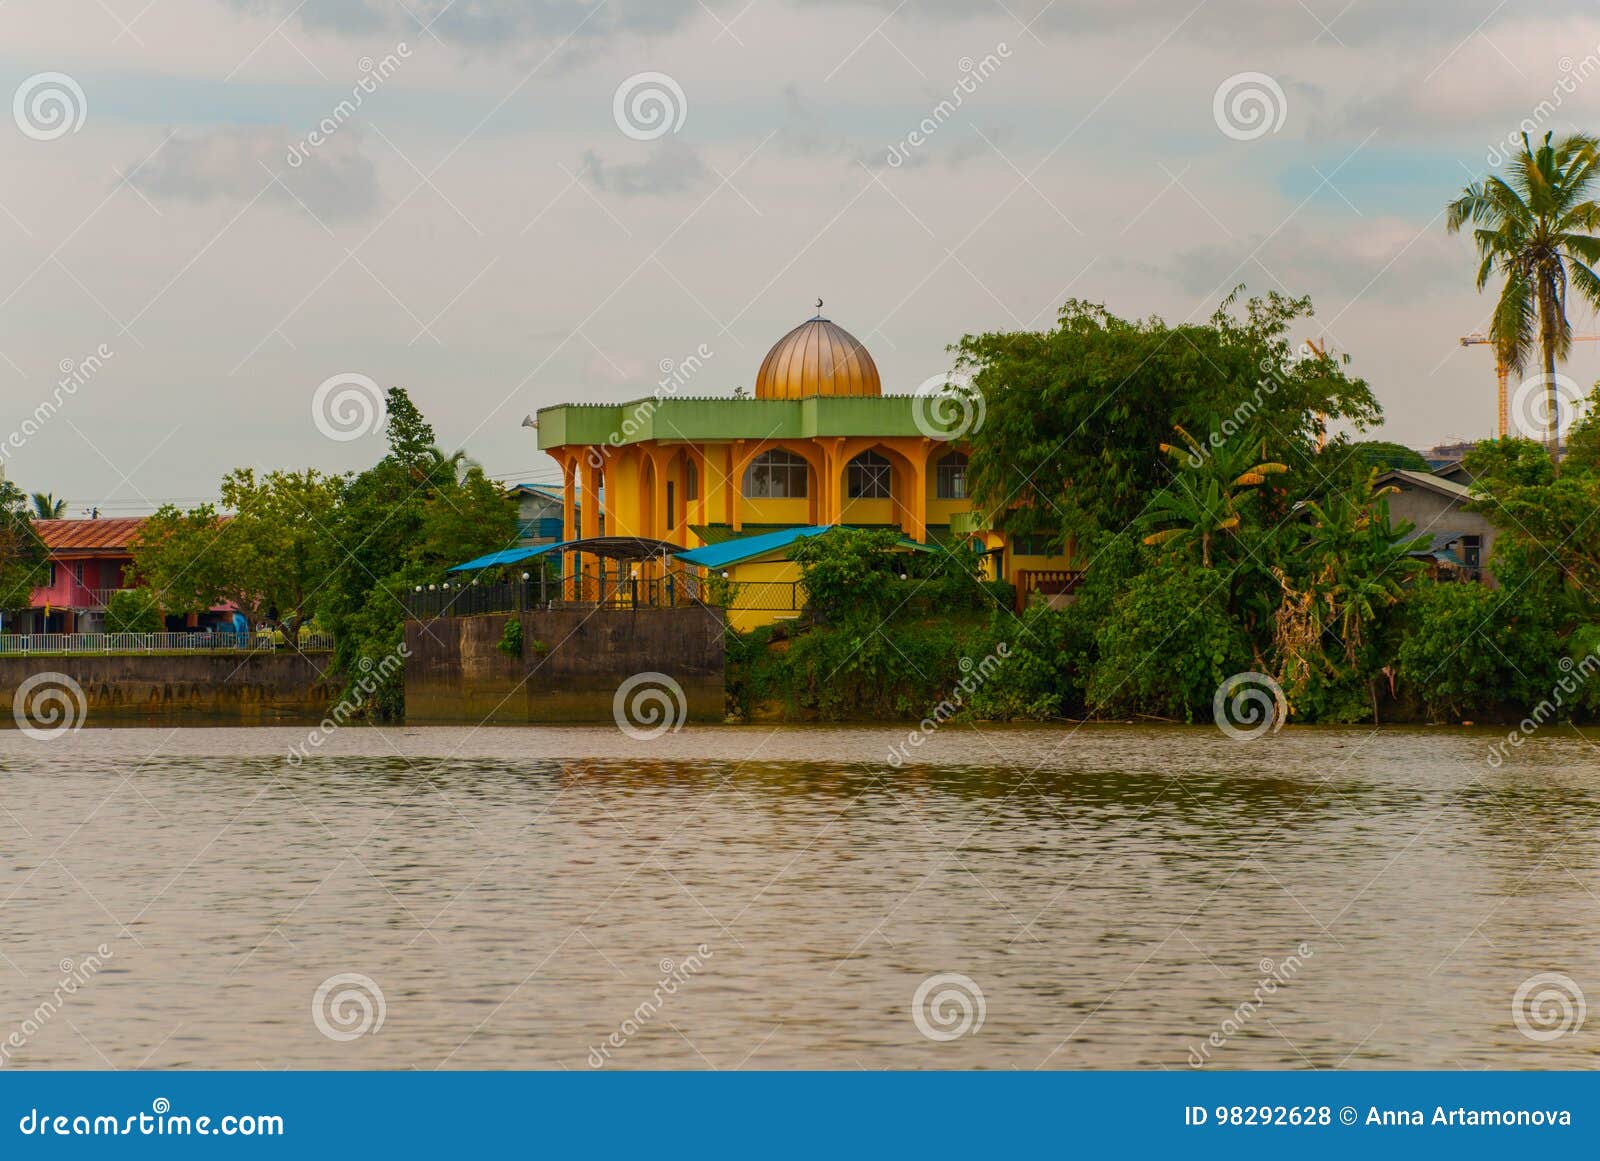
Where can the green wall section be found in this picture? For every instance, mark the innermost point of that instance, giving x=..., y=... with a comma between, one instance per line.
x=702, y=420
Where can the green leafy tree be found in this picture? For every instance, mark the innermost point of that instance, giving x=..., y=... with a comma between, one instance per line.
x=398, y=524
x=1536, y=229
x=23, y=560
x=850, y=575
x=1073, y=416
x=134, y=611
x=269, y=557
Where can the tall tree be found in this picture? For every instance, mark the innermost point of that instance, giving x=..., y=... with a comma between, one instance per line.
x=1535, y=228
x=23, y=564
x=1074, y=416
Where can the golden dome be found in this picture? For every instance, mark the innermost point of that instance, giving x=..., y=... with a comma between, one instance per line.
x=817, y=358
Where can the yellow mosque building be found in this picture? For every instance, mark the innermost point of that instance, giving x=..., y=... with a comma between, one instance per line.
x=733, y=482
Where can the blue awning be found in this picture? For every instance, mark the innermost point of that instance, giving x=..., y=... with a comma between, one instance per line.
x=728, y=552
x=505, y=556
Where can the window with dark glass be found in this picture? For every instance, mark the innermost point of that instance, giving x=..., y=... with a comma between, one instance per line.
x=776, y=475
x=672, y=520
x=950, y=477
x=867, y=477
x=1472, y=551
x=691, y=481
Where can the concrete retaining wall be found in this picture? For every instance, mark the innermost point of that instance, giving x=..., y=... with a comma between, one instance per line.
x=218, y=689
x=456, y=673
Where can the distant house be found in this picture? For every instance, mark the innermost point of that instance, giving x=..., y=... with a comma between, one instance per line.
x=88, y=560
x=1460, y=542
x=538, y=513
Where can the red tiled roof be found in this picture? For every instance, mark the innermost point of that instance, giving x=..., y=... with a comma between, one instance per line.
x=112, y=533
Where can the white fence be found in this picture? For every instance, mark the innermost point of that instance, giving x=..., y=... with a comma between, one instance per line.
x=16, y=643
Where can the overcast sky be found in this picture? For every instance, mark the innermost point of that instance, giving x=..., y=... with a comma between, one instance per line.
x=514, y=216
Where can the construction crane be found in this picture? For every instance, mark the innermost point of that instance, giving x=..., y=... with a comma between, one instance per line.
x=1502, y=371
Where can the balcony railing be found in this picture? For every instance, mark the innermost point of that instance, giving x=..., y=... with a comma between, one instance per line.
x=21, y=643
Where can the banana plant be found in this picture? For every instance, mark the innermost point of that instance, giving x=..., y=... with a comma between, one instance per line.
x=1210, y=492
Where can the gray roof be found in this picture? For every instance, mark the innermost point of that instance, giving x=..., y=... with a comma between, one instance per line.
x=1404, y=477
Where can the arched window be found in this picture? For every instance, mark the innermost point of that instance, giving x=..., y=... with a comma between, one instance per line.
x=776, y=475
x=867, y=477
x=950, y=477
x=691, y=481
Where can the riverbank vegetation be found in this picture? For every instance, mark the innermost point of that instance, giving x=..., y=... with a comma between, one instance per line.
x=1186, y=469
x=338, y=552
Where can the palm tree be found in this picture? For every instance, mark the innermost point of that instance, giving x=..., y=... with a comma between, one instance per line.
x=1208, y=497
x=47, y=507
x=1534, y=227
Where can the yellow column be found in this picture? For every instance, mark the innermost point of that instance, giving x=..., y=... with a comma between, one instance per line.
x=736, y=485
x=919, y=493
x=589, y=510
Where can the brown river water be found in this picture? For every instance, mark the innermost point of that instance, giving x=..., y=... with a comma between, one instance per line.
x=1105, y=897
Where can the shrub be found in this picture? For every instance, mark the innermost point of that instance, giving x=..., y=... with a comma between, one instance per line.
x=511, y=639
x=1166, y=645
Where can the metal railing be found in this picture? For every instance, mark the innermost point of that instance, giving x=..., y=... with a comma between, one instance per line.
x=1049, y=582
x=19, y=643
x=609, y=590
